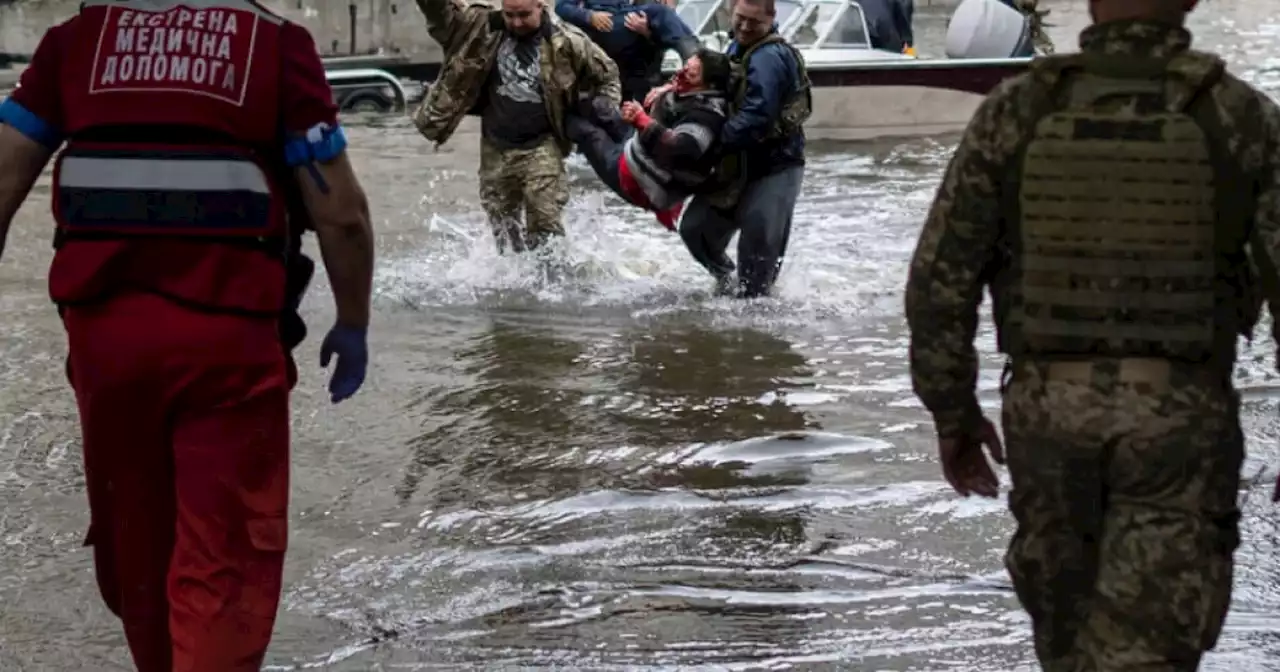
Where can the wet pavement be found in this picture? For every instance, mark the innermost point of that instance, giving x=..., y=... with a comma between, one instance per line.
x=604, y=467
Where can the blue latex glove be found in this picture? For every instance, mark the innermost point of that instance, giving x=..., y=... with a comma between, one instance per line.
x=348, y=343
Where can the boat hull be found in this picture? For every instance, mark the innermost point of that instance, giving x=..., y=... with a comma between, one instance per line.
x=871, y=100
x=847, y=113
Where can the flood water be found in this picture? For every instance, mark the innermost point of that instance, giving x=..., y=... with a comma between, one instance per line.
x=606, y=468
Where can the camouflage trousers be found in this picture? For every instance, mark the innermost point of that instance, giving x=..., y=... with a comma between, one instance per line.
x=523, y=191
x=1125, y=477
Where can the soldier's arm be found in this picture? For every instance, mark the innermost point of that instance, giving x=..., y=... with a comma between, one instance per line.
x=948, y=270
x=445, y=20
x=316, y=151
x=1265, y=240
x=30, y=126
x=597, y=73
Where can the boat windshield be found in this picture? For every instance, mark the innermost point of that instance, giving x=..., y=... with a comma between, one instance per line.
x=696, y=12
x=711, y=16
x=814, y=23
x=850, y=31
x=786, y=10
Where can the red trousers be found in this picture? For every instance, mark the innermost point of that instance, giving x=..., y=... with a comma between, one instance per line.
x=185, y=424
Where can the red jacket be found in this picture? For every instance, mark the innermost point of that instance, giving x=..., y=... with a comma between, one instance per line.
x=175, y=121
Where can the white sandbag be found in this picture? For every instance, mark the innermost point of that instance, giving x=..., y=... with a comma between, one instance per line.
x=986, y=29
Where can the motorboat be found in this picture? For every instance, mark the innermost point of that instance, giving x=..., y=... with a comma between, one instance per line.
x=860, y=92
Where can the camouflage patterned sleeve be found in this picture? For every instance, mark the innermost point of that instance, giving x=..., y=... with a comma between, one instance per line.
x=443, y=20
x=597, y=73
x=1265, y=243
x=946, y=278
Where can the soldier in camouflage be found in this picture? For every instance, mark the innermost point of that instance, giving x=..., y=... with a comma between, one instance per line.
x=522, y=70
x=1111, y=201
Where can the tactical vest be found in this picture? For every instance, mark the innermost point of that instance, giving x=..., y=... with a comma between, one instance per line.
x=729, y=178
x=1129, y=220
x=798, y=106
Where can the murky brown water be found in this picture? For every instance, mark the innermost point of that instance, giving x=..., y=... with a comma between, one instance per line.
x=584, y=472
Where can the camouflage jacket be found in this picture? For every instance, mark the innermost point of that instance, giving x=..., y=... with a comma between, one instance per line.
x=959, y=252
x=470, y=33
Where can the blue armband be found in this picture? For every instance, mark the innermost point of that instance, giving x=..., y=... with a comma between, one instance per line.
x=321, y=142
x=14, y=115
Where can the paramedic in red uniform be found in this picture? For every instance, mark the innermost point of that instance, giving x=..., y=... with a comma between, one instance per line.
x=183, y=125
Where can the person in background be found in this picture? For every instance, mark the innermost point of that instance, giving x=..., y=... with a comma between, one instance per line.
x=1112, y=202
x=173, y=267
x=522, y=70
x=890, y=24
x=762, y=166
x=636, y=35
x=656, y=159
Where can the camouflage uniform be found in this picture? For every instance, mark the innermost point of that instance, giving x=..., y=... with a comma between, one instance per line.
x=1125, y=467
x=572, y=67
x=1039, y=38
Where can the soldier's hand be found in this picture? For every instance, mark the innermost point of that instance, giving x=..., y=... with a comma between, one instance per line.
x=965, y=466
x=602, y=21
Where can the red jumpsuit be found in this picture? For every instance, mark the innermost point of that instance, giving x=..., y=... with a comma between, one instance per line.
x=169, y=278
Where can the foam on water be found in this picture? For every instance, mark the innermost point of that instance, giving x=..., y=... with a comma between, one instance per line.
x=840, y=261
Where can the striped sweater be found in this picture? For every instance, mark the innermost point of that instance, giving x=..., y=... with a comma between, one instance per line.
x=673, y=156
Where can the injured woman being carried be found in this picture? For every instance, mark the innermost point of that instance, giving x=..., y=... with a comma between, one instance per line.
x=655, y=159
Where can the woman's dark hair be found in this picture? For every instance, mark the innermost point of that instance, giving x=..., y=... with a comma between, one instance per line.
x=717, y=70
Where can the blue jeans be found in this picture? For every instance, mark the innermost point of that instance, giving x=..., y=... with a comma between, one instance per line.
x=762, y=219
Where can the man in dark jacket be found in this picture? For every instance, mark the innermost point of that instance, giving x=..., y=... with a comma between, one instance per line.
x=764, y=145
x=669, y=153
x=636, y=34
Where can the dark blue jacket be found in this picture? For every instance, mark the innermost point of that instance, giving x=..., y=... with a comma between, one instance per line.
x=588, y=6
x=636, y=56
x=620, y=43
x=772, y=76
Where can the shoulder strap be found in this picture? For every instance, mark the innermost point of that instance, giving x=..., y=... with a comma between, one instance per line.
x=802, y=74
x=771, y=38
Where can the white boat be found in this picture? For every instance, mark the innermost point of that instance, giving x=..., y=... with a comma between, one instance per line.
x=861, y=92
